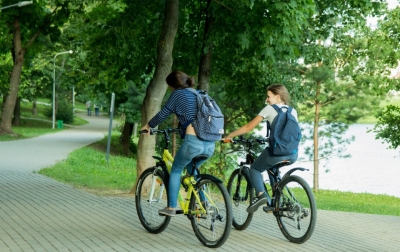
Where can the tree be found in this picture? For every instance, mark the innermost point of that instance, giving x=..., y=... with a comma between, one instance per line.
x=330, y=107
x=25, y=33
x=119, y=53
x=387, y=37
x=157, y=87
x=336, y=70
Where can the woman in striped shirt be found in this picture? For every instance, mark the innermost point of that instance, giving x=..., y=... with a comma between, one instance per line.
x=182, y=103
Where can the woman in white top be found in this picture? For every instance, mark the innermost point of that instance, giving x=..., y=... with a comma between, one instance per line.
x=276, y=94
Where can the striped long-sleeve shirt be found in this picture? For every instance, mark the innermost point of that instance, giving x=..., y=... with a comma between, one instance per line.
x=181, y=102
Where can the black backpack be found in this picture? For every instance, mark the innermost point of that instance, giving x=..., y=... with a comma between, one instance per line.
x=209, y=122
x=284, y=133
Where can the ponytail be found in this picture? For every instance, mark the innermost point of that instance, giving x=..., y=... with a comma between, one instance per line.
x=179, y=80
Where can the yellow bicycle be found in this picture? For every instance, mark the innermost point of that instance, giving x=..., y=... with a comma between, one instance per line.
x=203, y=198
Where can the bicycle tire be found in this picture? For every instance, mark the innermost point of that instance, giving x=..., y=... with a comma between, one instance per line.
x=241, y=194
x=296, y=209
x=148, y=210
x=213, y=228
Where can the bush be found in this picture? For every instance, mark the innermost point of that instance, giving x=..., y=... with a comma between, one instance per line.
x=64, y=112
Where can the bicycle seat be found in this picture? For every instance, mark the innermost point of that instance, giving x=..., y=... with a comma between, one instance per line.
x=199, y=158
x=282, y=163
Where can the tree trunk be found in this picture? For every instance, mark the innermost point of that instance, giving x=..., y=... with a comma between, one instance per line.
x=126, y=136
x=157, y=87
x=4, y=102
x=8, y=107
x=316, y=138
x=135, y=129
x=17, y=113
x=34, y=108
x=206, y=52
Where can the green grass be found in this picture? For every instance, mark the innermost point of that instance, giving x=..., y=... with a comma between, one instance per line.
x=33, y=127
x=29, y=128
x=87, y=168
x=36, y=125
x=357, y=202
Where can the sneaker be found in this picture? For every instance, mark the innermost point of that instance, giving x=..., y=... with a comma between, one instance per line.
x=257, y=202
x=167, y=212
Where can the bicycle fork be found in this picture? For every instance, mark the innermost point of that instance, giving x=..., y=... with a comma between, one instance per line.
x=156, y=182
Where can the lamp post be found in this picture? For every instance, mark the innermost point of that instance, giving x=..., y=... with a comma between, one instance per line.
x=20, y=4
x=54, y=84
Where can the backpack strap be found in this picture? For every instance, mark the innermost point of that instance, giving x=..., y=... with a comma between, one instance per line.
x=277, y=108
x=184, y=126
x=196, y=91
x=191, y=89
x=268, y=124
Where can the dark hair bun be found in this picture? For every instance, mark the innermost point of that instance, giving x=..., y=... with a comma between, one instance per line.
x=190, y=81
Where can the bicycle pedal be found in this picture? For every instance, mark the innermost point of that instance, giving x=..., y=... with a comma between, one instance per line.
x=179, y=211
x=268, y=209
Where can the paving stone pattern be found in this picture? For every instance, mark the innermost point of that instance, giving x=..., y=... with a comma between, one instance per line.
x=40, y=214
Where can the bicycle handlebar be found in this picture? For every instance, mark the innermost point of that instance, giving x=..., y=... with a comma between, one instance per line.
x=242, y=140
x=155, y=131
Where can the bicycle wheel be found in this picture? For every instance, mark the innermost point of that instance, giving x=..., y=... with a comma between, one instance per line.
x=297, y=210
x=212, y=228
x=151, y=196
x=241, y=194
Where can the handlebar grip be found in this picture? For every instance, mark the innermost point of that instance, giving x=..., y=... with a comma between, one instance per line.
x=227, y=140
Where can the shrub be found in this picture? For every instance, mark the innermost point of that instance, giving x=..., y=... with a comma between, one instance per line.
x=64, y=112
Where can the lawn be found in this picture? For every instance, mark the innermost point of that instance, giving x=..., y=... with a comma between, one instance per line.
x=36, y=125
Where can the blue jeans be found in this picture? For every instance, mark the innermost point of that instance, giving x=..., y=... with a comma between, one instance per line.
x=265, y=162
x=190, y=148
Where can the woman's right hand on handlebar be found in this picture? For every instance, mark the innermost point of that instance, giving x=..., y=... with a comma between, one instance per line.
x=145, y=130
x=227, y=140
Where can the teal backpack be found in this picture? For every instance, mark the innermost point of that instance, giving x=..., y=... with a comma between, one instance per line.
x=284, y=132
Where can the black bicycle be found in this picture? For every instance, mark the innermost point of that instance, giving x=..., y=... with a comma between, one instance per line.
x=292, y=200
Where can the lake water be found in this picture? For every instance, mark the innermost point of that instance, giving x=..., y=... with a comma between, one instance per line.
x=372, y=168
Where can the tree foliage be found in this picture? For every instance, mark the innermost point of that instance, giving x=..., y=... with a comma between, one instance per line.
x=323, y=52
x=387, y=40
x=387, y=127
x=21, y=33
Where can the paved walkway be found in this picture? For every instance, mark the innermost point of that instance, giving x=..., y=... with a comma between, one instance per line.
x=40, y=214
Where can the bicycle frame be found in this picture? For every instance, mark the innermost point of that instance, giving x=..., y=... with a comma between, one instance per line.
x=188, y=181
x=165, y=162
x=205, y=201
x=290, y=198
